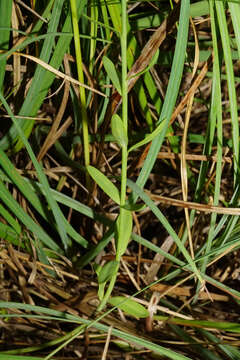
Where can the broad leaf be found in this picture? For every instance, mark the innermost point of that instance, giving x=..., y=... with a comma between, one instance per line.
x=118, y=131
x=149, y=137
x=104, y=183
x=129, y=306
x=124, y=231
x=112, y=73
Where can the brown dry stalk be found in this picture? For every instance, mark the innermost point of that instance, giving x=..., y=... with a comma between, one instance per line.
x=186, y=291
x=58, y=73
x=194, y=157
x=20, y=2
x=180, y=107
x=193, y=205
x=151, y=47
x=184, y=177
x=192, y=90
x=51, y=137
x=142, y=62
x=25, y=257
x=16, y=59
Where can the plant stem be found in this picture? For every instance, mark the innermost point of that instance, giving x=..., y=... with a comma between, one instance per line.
x=121, y=231
x=124, y=119
x=82, y=94
x=108, y=292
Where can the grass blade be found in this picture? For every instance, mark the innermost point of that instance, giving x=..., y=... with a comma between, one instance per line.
x=13, y=205
x=172, y=92
x=112, y=73
x=5, y=20
x=223, y=28
x=166, y=225
x=53, y=205
x=37, y=93
x=104, y=183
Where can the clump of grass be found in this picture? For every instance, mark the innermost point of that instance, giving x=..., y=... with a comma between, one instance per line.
x=128, y=152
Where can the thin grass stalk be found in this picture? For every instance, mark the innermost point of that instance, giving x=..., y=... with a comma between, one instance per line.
x=223, y=28
x=216, y=112
x=92, y=323
x=124, y=107
x=93, y=32
x=122, y=226
x=234, y=8
x=82, y=94
x=171, y=94
x=42, y=79
x=5, y=20
x=43, y=179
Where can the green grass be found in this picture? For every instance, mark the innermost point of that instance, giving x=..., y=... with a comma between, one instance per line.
x=97, y=214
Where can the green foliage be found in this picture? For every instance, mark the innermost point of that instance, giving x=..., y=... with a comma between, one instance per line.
x=104, y=183
x=129, y=306
x=112, y=30
x=107, y=271
x=148, y=137
x=42, y=79
x=112, y=73
x=123, y=230
x=118, y=131
x=5, y=19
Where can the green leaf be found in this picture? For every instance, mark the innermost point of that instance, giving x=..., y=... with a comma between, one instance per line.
x=112, y=73
x=10, y=219
x=123, y=345
x=5, y=21
x=14, y=207
x=124, y=231
x=134, y=207
x=42, y=178
x=107, y=271
x=42, y=79
x=98, y=268
x=101, y=288
x=19, y=357
x=171, y=94
x=9, y=234
x=149, y=137
x=129, y=306
x=163, y=220
x=119, y=131
x=104, y=183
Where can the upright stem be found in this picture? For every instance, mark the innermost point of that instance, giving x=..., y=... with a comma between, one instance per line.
x=124, y=99
x=124, y=154
x=124, y=118
x=81, y=89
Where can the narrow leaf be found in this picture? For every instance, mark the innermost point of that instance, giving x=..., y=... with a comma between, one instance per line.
x=104, y=183
x=9, y=234
x=12, y=204
x=134, y=207
x=42, y=177
x=166, y=225
x=5, y=20
x=107, y=271
x=10, y=219
x=149, y=137
x=112, y=73
x=151, y=64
